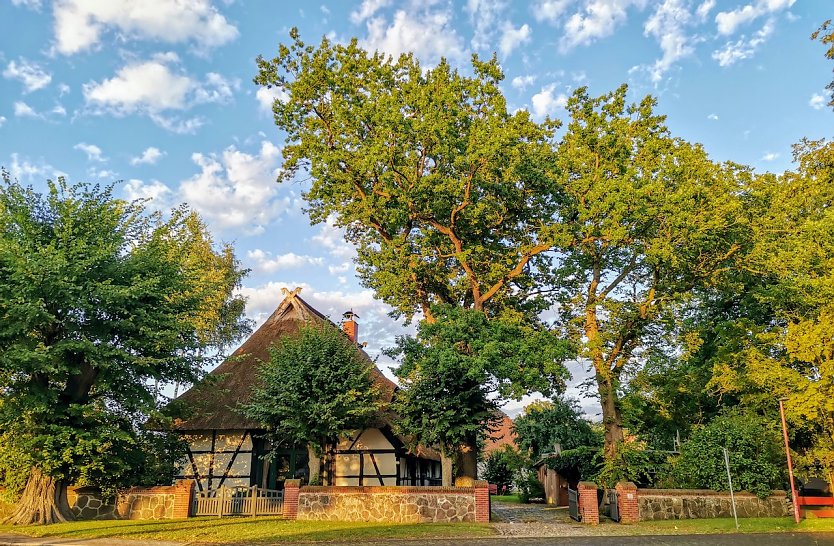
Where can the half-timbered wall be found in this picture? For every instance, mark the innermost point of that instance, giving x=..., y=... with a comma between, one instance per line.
x=366, y=457
x=218, y=458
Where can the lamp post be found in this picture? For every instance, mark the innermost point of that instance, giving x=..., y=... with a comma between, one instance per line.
x=794, y=498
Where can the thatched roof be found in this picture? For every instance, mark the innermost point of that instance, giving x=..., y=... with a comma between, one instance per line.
x=212, y=404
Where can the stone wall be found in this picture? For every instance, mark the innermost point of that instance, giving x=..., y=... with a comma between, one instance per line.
x=393, y=504
x=164, y=502
x=662, y=504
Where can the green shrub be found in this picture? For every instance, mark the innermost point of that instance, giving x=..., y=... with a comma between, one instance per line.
x=502, y=465
x=756, y=457
x=528, y=486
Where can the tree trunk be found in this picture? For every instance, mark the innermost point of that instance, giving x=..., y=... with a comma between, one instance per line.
x=314, y=463
x=446, y=470
x=468, y=460
x=44, y=501
x=611, y=418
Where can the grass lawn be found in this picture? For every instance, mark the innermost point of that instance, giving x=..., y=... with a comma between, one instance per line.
x=506, y=498
x=250, y=530
x=727, y=525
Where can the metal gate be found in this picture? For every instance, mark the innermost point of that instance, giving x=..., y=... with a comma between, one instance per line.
x=238, y=501
x=573, y=504
x=613, y=506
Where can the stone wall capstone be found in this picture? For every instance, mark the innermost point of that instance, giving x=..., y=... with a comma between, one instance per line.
x=388, y=504
x=666, y=504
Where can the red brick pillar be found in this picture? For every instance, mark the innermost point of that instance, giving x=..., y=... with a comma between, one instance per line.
x=588, y=504
x=291, y=488
x=183, y=492
x=481, y=501
x=627, y=502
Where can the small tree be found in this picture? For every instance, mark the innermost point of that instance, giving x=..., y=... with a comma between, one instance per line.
x=546, y=423
x=100, y=303
x=502, y=466
x=315, y=386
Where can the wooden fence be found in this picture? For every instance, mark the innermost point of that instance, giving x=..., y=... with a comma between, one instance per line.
x=238, y=501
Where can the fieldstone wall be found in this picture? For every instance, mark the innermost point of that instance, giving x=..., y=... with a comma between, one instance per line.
x=662, y=504
x=388, y=504
x=88, y=503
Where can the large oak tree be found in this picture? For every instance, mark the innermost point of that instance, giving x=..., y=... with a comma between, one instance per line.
x=100, y=305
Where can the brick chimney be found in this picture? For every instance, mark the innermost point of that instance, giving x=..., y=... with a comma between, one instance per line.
x=350, y=326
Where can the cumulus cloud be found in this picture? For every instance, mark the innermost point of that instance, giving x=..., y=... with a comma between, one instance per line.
x=79, y=24
x=728, y=21
x=23, y=110
x=149, y=157
x=2, y=120
x=770, y=156
x=512, y=37
x=31, y=4
x=427, y=31
x=93, y=152
x=30, y=74
x=267, y=97
x=368, y=9
x=236, y=190
x=155, y=87
x=523, y=82
x=265, y=262
x=546, y=101
x=743, y=48
x=713, y=117
x=485, y=17
x=331, y=238
x=550, y=10
x=26, y=169
x=667, y=25
x=817, y=101
x=597, y=19
x=702, y=11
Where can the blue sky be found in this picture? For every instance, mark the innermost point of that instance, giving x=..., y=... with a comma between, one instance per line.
x=159, y=94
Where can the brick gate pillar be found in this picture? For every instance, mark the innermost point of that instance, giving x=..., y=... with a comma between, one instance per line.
x=481, y=501
x=291, y=488
x=183, y=496
x=588, y=503
x=627, y=502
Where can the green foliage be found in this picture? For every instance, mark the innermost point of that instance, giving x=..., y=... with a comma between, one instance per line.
x=633, y=462
x=825, y=34
x=447, y=195
x=528, y=486
x=502, y=466
x=544, y=424
x=458, y=369
x=100, y=305
x=578, y=464
x=757, y=460
x=315, y=386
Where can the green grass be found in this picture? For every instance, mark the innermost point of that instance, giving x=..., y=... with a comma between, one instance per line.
x=506, y=498
x=250, y=530
x=727, y=525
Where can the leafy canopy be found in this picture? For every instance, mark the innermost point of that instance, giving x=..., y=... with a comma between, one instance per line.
x=315, y=386
x=446, y=195
x=546, y=423
x=100, y=305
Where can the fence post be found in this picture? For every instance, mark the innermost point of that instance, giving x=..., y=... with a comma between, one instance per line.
x=481, y=501
x=588, y=503
x=219, y=497
x=627, y=502
x=183, y=497
x=291, y=488
x=253, y=498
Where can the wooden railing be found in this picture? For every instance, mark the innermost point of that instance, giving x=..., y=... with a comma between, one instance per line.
x=238, y=501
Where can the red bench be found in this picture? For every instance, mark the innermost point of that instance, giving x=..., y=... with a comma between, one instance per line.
x=818, y=501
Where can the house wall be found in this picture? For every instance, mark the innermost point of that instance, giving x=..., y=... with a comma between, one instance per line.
x=365, y=458
x=220, y=457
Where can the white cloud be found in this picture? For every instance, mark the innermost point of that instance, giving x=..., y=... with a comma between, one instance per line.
x=2, y=120
x=728, y=21
x=550, y=10
x=545, y=102
x=427, y=32
x=596, y=20
x=817, y=101
x=236, y=190
x=23, y=110
x=25, y=169
x=154, y=87
x=512, y=37
x=30, y=74
x=267, y=97
x=59, y=110
x=264, y=261
x=743, y=48
x=485, y=16
x=770, y=156
x=63, y=89
x=667, y=25
x=154, y=190
x=713, y=117
x=149, y=157
x=703, y=10
x=79, y=24
x=523, y=82
x=332, y=239
x=31, y=4
x=341, y=268
x=93, y=152
x=367, y=10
